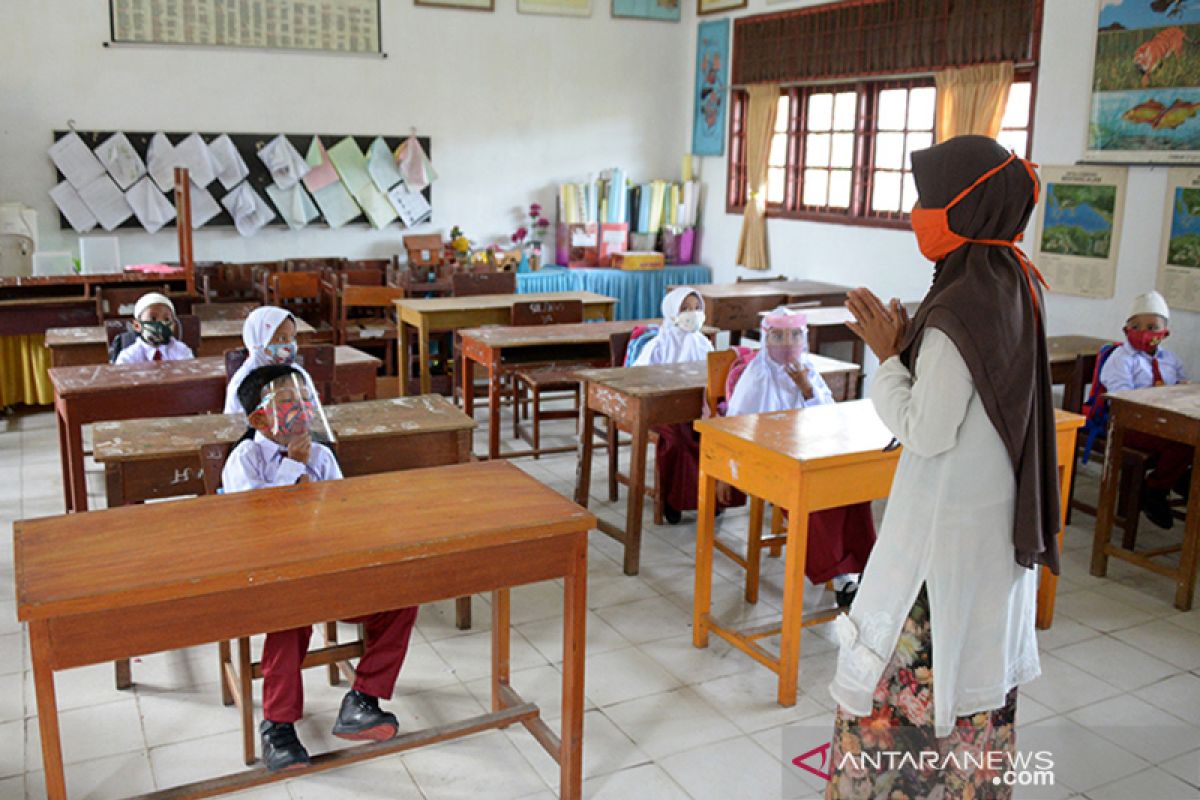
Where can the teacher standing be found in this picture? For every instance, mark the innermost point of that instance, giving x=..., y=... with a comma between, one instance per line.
x=941, y=633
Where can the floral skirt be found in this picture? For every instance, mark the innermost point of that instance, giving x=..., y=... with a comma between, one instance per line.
x=901, y=722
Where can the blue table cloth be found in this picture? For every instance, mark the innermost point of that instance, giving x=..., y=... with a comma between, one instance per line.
x=640, y=292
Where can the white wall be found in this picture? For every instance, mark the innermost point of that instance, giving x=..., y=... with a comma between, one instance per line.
x=514, y=104
x=888, y=262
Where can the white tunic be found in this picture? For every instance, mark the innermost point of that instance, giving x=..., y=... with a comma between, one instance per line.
x=948, y=525
x=140, y=351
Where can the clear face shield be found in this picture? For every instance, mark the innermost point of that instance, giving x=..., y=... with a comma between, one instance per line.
x=785, y=336
x=291, y=411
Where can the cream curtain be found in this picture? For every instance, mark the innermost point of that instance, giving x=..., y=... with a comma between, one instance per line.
x=971, y=100
x=760, y=125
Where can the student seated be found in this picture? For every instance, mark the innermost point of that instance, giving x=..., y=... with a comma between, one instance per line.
x=680, y=337
x=278, y=450
x=269, y=334
x=154, y=321
x=1139, y=362
x=782, y=377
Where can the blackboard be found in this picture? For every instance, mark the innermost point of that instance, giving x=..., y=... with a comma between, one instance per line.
x=247, y=145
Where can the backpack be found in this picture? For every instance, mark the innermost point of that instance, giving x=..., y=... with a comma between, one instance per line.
x=119, y=343
x=1095, y=407
x=742, y=359
x=639, y=337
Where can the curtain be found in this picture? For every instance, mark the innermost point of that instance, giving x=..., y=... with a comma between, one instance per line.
x=24, y=370
x=971, y=100
x=760, y=126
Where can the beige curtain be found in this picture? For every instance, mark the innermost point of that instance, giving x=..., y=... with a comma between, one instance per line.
x=760, y=125
x=971, y=100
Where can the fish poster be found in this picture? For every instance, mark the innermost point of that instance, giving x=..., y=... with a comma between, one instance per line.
x=1179, y=262
x=712, y=88
x=1079, y=219
x=1146, y=83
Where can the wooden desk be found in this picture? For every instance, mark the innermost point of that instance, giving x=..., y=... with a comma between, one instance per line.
x=1169, y=412
x=636, y=399
x=503, y=349
x=453, y=313
x=72, y=347
x=735, y=307
x=804, y=461
x=142, y=579
x=33, y=304
x=104, y=392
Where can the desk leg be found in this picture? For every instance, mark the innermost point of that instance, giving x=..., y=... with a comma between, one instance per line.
x=64, y=456
x=493, y=407
x=1191, y=546
x=570, y=759
x=76, y=478
x=467, y=382
x=793, y=603
x=47, y=706
x=405, y=366
x=583, y=465
x=500, y=646
x=859, y=357
x=1106, y=505
x=705, y=521
x=423, y=353
x=637, y=496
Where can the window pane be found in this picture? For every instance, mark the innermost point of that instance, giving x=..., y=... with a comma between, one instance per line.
x=816, y=185
x=820, y=111
x=920, y=108
x=1016, y=113
x=781, y=113
x=843, y=150
x=845, y=110
x=891, y=109
x=839, y=188
x=910, y=193
x=889, y=150
x=916, y=141
x=1017, y=141
x=885, y=195
x=816, y=152
x=775, y=183
x=778, y=155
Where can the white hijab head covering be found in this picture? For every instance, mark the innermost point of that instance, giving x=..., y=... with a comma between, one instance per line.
x=673, y=345
x=765, y=385
x=257, y=331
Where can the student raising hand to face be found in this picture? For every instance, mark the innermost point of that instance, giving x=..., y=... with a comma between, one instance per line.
x=882, y=327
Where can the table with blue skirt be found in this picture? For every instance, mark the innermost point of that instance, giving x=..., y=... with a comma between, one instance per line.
x=640, y=292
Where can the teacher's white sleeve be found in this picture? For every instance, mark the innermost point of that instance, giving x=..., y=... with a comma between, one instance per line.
x=925, y=412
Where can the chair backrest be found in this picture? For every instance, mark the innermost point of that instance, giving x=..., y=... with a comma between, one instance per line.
x=362, y=277
x=313, y=264
x=618, y=343
x=207, y=312
x=379, y=297
x=188, y=330
x=719, y=364
x=295, y=286
x=317, y=360
x=555, y=312
x=378, y=264
x=469, y=283
x=118, y=302
x=212, y=463
x=424, y=249
x=768, y=279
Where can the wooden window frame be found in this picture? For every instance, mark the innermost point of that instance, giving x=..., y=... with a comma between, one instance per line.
x=859, y=212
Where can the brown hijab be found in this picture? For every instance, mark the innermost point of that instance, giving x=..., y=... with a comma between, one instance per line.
x=981, y=299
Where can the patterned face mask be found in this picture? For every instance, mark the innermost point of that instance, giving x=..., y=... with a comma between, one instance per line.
x=155, y=332
x=281, y=353
x=289, y=418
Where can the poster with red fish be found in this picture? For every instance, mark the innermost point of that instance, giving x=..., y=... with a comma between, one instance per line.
x=1079, y=218
x=1146, y=83
x=1179, y=261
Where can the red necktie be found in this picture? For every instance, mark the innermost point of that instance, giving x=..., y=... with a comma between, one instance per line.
x=1156, y=372
x=158, y=357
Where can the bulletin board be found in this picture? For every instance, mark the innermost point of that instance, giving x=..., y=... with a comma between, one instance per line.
x=248, y=145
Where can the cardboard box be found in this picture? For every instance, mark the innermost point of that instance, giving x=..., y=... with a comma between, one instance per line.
x=639, y=260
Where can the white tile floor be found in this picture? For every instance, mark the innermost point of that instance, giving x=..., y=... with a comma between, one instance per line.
x=1120, y=683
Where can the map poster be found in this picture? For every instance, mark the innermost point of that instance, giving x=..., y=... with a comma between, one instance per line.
x=1079, y=226
x=1179, y=261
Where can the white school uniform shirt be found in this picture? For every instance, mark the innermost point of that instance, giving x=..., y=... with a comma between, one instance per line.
x=1127, y=368
x=765, y=387
x=141, y=351
x=672, y=344
x=949, y=525
x=259, y=462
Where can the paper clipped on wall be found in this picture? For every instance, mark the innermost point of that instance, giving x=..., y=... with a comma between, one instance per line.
x=410, y=204
x=75, y=161
x=381, y=165
x=328, y=191
x=294, y=204
x=106, y=202
x=415, y=167
x=228, y=163
x=351, y=166
x=160, y=161
x=192, y=153
x=149, y=205
x=123, y=163
x=249, y=211
x=72, y=207
x=283, y=161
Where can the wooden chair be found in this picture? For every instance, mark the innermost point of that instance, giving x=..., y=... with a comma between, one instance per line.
x=375, y=327
x=118, y=302
x=466, y=284
x=317, y=360
x=546, y=379
x=327, y=263
x=208, y=312
x=300, y=293
x=380, y=265
x=720, y=362
x=237, y=680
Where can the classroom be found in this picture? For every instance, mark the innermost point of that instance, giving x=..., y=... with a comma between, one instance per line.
x=517, y=399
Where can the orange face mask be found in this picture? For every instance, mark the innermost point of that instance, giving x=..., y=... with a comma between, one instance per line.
x=936, y=240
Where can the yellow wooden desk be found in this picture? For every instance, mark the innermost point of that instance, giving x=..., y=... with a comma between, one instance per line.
x=453, y=313
x=803, y=461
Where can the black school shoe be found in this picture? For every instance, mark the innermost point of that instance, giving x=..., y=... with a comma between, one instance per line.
x=281, y=748
x=361, y=719
x=1157, y=508
x=845, y=595
x=672, y=516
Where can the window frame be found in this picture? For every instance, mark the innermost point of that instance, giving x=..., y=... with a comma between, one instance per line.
x=862, y=180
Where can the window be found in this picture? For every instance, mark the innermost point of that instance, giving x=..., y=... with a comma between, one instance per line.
x=843, y=153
